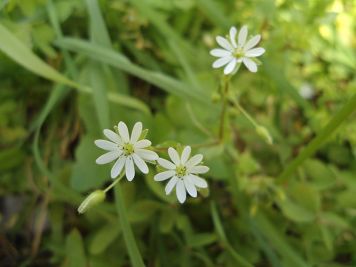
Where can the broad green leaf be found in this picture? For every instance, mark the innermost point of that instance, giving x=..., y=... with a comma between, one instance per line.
x=103, y=238
x=75, y=254
x=321, y=176
x=202, y=239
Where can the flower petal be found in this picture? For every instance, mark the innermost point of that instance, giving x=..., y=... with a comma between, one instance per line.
x=233, y=33
x=117, y=168
x=108, y=157
x=199, y=169
x=142, y=143
x=130, y=168
x=146, y=154
x=185, y=154
x=196, y=159
x=141, y=165
x=136, y=132
x=166, y=164
x=217, y=52
x=250, y=64
x=190, y=188
x=242, y=36
x=111, y=135
x=173, y=154
x=252, y=42
x=164, y=175
x=222, y=61
x=255, y=52
x=224, y=43
x=170, y=185
x=230, y=67
x=197, y=181
x=123, y=131
x=180, y=191
x=106, y=145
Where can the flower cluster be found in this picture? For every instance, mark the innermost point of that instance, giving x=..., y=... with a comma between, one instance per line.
x=130, y=151
x=236, y=51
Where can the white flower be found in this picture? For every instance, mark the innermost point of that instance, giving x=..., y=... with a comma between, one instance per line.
x=234, y=52
x=306, y=91
x=182, y=173
x=125, y=150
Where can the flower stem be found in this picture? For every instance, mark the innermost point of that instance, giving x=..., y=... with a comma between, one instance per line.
x=224, y=93
x=114, y=182
x=244, y=112
x=134, y=253
x=314, y=145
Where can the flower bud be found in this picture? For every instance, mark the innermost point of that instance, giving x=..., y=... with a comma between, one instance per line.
x=263, y=132
x=93, y=199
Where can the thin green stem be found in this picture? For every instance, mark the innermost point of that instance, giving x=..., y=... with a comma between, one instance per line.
x=129, y=238
x=114, y=182
x=314, y=145
x=224, y=93
x=237, y=105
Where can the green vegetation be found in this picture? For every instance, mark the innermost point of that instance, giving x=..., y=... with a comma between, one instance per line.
x=71, y=68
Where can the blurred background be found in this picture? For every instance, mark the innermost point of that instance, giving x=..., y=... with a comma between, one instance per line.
x=70, y=68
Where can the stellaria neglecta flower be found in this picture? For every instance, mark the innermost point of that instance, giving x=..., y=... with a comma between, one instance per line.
x=234, y=52
x=127, y=151
x=182, y=173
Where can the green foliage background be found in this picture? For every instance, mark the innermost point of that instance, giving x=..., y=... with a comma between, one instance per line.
x=94, y=63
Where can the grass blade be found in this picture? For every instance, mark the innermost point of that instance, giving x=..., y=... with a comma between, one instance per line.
x=117, y=60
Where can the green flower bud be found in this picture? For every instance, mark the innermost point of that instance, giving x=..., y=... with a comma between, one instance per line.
x=93, y=199
x=263, y=132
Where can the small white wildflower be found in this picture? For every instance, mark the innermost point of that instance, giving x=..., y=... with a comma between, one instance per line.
x=234, y=52
x=182, y=173
x=125, y=150
x=306, y=91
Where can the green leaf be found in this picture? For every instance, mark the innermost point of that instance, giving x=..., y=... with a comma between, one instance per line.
x=202, y=239
x=143, y=210
x=21, y=54
x=103, y=238
x=117, y=60
x=321, y=176
x=302, y=203
x=75, y=250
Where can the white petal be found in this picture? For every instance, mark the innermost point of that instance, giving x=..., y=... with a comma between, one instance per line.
x=173, y=154
x=106, y=145
x=255, y=52
x=194, y=160
x=136, y=132
x=197, y=181
x=242, y=36
x=224, y=43
x=180, y=191
x=220, y=52
x=142, y=143
x=164, y=175
x=190, y=188
x=112, y=136
x=141, y=165
x=230, y=67
x=170, y=185
x=250, y=64
x=252, y=42
x=222, y=61
x=108, y=157
x=123, y=131
x=130, y=168
x=146, y=154
x=185, y=154
x=233, y=33
x=166, y=164
x=199, y=169
x=117, y=168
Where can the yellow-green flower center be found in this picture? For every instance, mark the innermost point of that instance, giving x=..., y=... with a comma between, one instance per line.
x=128, y=149
x=239, y=52
x=181, y=171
